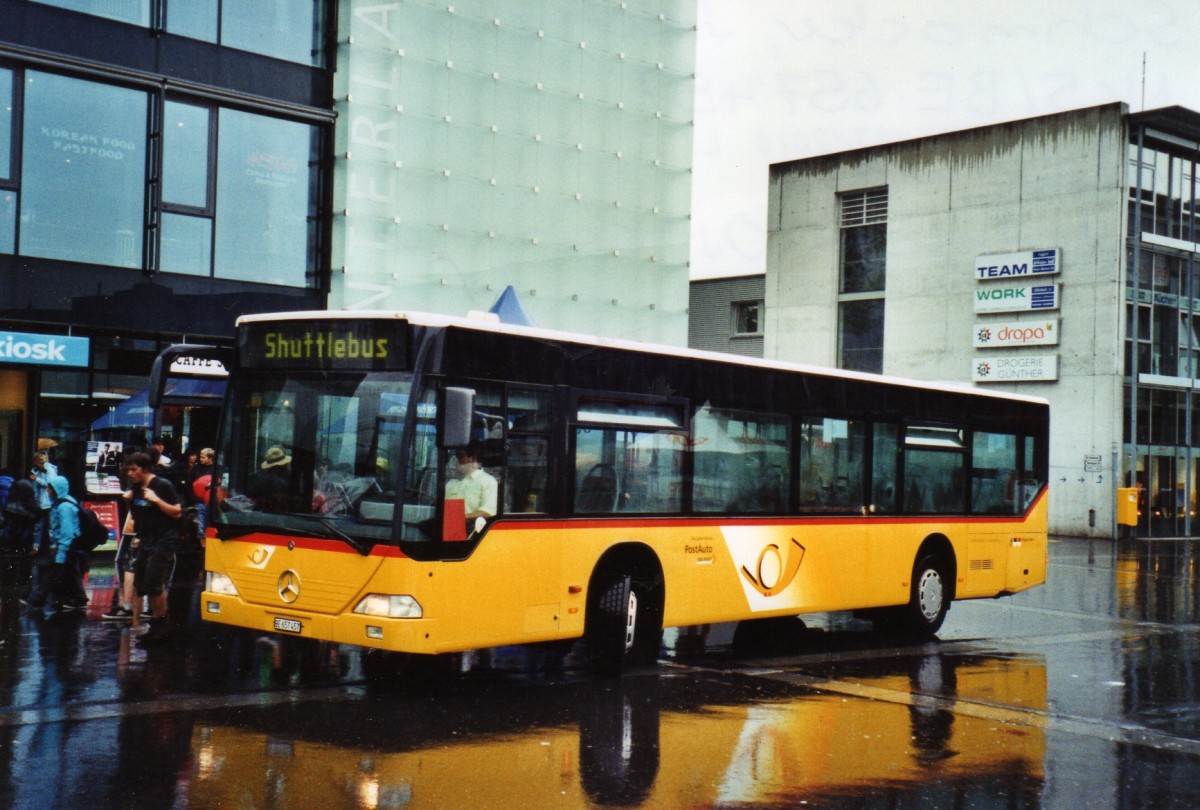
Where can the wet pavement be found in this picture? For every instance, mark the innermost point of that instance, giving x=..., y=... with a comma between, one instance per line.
x=1082, y=693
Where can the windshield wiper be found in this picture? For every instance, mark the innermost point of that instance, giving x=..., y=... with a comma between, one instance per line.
x=363, y=547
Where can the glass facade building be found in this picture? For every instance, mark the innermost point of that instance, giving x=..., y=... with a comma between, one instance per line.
x=544, y=144
x=1161, y=436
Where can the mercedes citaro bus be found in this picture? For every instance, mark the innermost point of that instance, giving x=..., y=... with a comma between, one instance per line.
x=615, y=488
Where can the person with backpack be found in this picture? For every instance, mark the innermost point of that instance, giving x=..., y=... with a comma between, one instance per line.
x=66, y=590
x=155, y=507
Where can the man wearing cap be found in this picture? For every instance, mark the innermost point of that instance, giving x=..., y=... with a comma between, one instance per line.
x=270, y=484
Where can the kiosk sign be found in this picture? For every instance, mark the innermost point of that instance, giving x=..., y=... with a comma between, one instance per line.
x=43, y=350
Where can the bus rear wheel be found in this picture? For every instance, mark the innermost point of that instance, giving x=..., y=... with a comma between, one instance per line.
x=926, y=610
x=614, y=625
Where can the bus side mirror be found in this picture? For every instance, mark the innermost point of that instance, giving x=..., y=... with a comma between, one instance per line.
x=460, y=408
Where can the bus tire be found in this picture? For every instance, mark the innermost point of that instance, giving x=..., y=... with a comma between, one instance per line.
x=930, y=599
x=613, y=625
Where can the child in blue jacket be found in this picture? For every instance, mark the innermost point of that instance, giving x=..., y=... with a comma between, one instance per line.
x=66, y=579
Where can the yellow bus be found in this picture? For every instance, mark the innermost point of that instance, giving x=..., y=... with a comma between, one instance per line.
x=421, y=484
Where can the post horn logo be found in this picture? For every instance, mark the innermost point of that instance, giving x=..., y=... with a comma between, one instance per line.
x=288, y=586
x=776, y=569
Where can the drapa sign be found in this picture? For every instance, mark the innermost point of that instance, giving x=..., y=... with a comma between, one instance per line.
x=1016, y=333
x=1029, y=263
x=1032, y=298
x=1014, y=368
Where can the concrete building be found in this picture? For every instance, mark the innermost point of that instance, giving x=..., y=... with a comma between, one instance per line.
x=727, y=314
x=168, y=165
x=1013, y=256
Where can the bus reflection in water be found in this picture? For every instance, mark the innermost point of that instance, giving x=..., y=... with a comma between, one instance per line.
x=616, y=745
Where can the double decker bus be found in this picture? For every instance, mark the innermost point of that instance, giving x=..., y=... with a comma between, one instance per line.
x=633, y=488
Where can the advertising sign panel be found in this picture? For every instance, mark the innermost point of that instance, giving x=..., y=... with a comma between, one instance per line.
x=1016, y=333
x=1028, y=298
x=1025, y=264
x=1014, y=368
x=43, y=350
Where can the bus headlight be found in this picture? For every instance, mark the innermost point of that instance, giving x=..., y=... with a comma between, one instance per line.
x=389, y=605
x=216, y=582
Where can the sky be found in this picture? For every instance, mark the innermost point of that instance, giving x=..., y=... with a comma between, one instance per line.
x=779, y=80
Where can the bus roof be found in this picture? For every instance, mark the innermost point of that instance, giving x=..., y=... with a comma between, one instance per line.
x=496, y=327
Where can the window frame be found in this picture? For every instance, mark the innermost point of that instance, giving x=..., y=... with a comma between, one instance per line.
x=867, y=208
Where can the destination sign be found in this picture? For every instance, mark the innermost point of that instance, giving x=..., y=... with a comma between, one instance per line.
x=323, y=345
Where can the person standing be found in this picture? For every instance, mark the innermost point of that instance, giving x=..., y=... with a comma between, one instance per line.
x=66, y=591
x=40, y=475
x=43, y=564
x=155, y=507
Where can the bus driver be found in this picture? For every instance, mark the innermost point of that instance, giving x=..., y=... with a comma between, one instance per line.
x=475, y=486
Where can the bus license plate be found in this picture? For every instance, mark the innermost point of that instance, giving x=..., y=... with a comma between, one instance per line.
x=287, y=625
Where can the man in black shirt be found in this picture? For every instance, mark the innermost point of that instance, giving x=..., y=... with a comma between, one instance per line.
x=155, y=509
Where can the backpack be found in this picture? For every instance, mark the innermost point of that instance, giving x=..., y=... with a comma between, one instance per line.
x=92, y=533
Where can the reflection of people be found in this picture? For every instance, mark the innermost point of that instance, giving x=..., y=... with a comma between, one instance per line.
x=475, y=486
x=268, y=486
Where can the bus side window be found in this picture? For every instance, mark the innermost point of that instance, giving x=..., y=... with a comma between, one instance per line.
x=934, y=458
x=742, y=461
x=831, y=459
x=527, y=465
x=883, y=468
x=994, y=481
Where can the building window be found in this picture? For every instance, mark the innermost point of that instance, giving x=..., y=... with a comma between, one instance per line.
x=863, y=277
x=265, y=195
x=860, y=335
x=8, y=186
x=283, y=29
x=747, y=317
x=235, y=195
x=1165, y=202
x=83, y=174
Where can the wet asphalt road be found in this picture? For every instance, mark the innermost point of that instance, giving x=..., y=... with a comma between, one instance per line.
x=1082, y=693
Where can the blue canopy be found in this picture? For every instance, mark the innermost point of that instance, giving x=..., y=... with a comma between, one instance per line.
x=136, y=412
x=510, y=310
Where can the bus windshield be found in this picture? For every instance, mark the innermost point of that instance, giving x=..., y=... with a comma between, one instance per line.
x=316, y=454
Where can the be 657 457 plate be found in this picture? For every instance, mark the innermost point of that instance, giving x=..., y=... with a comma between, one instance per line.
x=287, y=625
